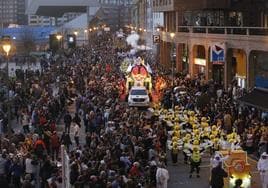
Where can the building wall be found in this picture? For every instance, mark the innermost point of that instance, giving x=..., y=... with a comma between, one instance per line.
x=35, y=20
x=12, y=12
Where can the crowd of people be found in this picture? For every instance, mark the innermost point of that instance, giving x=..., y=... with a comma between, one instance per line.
x=75, y=101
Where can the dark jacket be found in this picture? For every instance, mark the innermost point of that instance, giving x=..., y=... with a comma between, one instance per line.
x=217, y=175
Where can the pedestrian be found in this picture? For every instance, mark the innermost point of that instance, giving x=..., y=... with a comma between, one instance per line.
x=217, y=176
x=27, y=182
x=77, y=119
x=40, y=148
x=55, y=145
x=25, y=121
x=66, y=140
x=16, y=171
x=263, y=169
x=67, y=121
x=76, y=133
x=162, y=176
x=227, y=120
x=238, y=183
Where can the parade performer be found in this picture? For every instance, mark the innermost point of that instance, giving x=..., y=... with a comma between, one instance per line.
x=174, y=152
x=186, y=145
x=218, y=159
x=195, y=160
x=162, y=177
x=263, y=169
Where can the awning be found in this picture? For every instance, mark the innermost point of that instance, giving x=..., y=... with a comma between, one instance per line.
x=257, y=98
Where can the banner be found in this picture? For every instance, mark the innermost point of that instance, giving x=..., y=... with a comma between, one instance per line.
x=218, y=53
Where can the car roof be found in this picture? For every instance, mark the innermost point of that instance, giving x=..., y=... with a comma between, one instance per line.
x=138, y=88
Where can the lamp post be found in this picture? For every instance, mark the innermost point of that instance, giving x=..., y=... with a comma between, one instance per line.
x=172, y=35
x=85, y=35
x=6, y=45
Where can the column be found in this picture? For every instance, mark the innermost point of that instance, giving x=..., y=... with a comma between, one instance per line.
x=250, y=69
x=228, y=67
x=179, y=53
x=177, y=21
x=191, y=59
x=161, y=46
x=209, y=65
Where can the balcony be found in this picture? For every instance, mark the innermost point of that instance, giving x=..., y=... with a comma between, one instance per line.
x=250, y=38
x=182, y=5
x=256, y=31
x=163, y=5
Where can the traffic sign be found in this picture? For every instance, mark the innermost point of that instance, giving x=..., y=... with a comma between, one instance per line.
x=156, y=38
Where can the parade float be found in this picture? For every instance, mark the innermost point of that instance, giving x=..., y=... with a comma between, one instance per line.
x=139, y=74
x=237, y=167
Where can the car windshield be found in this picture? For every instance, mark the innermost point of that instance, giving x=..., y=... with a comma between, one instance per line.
x=138, y=92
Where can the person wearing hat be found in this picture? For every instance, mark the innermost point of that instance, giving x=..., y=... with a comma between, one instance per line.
x=263, y=169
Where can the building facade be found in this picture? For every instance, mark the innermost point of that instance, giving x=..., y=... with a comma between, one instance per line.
x=145, y=21
x=221, y=40
x=12, y=12
x=46, y=21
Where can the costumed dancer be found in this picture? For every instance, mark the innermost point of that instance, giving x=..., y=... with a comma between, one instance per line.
x=263, y=169
x=195, y=158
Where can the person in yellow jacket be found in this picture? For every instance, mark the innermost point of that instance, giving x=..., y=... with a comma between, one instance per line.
x=174, y=152
x=186, y=145
x=195, y=160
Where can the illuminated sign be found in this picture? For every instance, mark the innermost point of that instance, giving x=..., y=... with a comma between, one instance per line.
x=156, y=38
x=199, y=61
x=217, y=54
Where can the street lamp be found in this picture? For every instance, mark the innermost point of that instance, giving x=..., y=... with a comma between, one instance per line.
x=7, y=48
x=85, y=34
x=76, y=33
x=172, y=35
x=6, y=45
x=59, y=37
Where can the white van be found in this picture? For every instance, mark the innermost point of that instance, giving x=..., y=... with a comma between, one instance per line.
x=138, y=96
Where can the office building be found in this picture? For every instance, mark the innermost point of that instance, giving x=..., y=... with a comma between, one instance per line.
x=12, y=12
x=221, y=40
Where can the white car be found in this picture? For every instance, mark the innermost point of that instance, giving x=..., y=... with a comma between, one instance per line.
x=138, y=96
